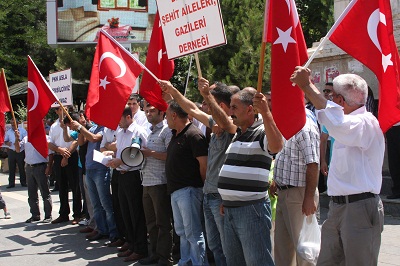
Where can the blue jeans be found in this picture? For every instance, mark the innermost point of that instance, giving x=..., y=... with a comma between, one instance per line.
x=186, y=207
x=98, y=184
x=247, y=235
x=214, y=223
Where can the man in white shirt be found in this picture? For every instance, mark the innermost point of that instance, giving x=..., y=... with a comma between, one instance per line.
x=352, y=232
x=138, y=115
x=37, y=170
x=15, y=158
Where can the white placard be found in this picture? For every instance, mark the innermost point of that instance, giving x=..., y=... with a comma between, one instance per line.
x=191, y=26
x=61, y=84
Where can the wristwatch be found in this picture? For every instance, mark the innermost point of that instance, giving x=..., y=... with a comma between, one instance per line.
x=79, y=129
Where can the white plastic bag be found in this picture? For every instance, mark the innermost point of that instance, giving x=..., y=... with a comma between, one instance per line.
x=309, y=242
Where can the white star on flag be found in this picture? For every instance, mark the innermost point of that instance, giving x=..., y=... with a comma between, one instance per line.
x=386, y=61
x=284, y=38
x=104, y=83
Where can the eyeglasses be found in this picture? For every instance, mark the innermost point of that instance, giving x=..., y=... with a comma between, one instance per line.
x=326, y=91
x=334, y=95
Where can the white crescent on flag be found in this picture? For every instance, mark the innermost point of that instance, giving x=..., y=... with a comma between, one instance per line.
x=34, y=90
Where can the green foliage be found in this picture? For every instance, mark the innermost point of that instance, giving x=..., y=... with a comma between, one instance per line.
x=21, y=112
x=79, y=59
x=316, y=18
x=23, y=32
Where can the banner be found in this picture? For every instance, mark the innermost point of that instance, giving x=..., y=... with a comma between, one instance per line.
x=61, y=84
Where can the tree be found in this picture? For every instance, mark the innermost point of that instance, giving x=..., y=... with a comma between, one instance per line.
x=23, y=32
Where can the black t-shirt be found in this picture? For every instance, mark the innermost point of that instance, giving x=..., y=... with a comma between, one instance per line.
x=181, y=167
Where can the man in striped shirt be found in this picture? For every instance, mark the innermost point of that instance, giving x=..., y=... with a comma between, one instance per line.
x=243, y=180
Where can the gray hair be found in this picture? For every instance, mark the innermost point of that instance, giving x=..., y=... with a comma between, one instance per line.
x=352, y=87
x=246, y=95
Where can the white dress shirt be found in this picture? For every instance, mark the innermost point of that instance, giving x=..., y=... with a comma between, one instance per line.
x=124, y=139
x=56, y=135
x=32, y=156
x=10, y=137
x=358, y=151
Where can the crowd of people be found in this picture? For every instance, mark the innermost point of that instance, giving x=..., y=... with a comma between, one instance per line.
x=199, y=187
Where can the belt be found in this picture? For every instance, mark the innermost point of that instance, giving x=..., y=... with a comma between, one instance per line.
x=36, y=164
x=352, y=198
x=284, y=187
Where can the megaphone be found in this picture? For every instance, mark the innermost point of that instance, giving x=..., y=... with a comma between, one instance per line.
x=132, y=156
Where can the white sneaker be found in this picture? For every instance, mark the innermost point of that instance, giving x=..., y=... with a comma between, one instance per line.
x=84, y=222
x=7, y=215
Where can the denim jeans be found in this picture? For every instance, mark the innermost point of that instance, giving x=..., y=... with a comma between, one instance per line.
x=247, y=235
x=186, y=207
x=214, y=223
x=98, y=184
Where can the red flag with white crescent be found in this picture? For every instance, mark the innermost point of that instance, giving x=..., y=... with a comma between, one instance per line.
x=366, y=33
x=4, y=105
x=288, y=49
x=40, y=99
x=113, y=77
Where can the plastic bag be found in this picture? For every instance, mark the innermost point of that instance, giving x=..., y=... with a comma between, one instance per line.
x=309, y=243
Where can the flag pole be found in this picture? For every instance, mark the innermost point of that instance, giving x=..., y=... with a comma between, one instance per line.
x=9, y=99
x=326, y=38
x=261, y=67
x=188, y=75
x=128, y=53
x=196, y=57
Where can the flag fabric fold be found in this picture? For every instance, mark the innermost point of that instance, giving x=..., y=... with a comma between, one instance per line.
x=366, y=33
x=4, y=105
x=113, y=77
x=288, y=49
x=157, y=62
x=40, y=99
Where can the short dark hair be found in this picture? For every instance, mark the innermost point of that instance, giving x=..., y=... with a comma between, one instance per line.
x=329, y=84
x=127, y=111
x=134, y=96
x=74, y=116
x=246, y=96
x=175, y=107
x=221, y=93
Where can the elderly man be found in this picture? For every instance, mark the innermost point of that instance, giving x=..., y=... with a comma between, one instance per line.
x=352, y=232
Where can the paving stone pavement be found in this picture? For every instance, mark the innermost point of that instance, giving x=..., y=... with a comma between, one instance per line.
x=47, y=244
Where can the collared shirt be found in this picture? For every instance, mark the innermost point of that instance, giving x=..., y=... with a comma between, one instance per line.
x=108, y=136
x=153, y=170
x=56, y=135
x=358, y=152
x=124, y=140
x=300, y=150
x=216, y=158
x=32, y=156
x=90, y=163
x=243, y=179
x=141, y=119
x=10, y=136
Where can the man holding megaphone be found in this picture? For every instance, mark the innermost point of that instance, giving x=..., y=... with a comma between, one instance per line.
x=130, y=189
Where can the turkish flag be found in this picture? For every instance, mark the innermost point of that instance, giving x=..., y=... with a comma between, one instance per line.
x=40, y=99
x=4, y=105
x=366, y=33
x=157, y=62
x=113, y=77
x=288, y=49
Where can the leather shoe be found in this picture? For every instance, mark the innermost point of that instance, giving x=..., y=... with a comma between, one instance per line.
x=134, y=257
x=393, y=196
x=124, y=247
x=98, y=236
x=93, y=233
x=32, y=219
x=86, y=230
x=10, y=186
x=60, y=220
x=148, y=261
x=126, y=253
x=24, y=185
x=114, y=243
x=75, y=221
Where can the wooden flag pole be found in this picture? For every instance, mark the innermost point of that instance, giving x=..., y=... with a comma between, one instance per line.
x=64, y=110
x=261, y=67
x=196, y=56
x=9, y=99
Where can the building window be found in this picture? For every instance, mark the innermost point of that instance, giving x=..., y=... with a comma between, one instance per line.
x=135, y=5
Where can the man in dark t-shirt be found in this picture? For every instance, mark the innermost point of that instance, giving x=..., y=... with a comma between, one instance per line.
x=185, y=167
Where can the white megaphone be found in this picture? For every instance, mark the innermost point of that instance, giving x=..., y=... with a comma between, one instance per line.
x=132, y=156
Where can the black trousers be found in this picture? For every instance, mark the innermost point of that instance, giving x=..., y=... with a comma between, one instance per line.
x=14, y=159
x=68, y=179
x=116, y=206
x=393, y=149
x=130, y=193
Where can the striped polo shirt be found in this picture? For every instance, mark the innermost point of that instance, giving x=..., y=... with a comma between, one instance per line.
x=243, y=179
